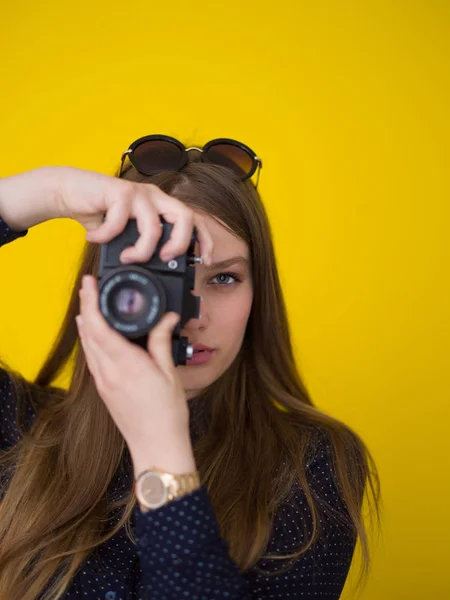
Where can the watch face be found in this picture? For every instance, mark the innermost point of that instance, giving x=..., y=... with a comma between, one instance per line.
x=153, y=490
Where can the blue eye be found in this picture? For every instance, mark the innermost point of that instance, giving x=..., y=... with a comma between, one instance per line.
x=227, y=275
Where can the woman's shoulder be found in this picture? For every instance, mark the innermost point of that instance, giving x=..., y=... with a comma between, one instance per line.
x=319, y=455
x=295, y=515
x=337, y=460
x=326, y=443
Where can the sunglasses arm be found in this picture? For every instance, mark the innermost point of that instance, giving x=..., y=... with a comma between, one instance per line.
x=124, y=154
x=259, y=171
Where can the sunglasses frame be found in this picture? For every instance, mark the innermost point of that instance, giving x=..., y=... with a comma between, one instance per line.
x=256, y=161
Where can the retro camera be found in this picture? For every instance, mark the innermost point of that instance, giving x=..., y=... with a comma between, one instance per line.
x=134, y=297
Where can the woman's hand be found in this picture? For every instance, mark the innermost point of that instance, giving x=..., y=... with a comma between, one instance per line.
x=45, y=193
x=142, y=390
x=86, y=196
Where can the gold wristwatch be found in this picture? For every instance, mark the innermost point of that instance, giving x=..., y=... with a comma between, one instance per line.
x=154, y=487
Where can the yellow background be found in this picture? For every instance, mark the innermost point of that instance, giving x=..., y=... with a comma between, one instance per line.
x=347, y=103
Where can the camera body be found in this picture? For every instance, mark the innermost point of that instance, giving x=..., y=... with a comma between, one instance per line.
x=134, y=297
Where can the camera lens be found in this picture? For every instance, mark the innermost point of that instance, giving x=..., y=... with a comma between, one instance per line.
x=129, y=304
x=132, y=300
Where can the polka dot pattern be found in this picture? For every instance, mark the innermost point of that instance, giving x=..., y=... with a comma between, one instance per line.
x=180, y=553
x=7, y=235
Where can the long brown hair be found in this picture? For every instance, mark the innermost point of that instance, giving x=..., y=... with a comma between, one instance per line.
x=256, y=423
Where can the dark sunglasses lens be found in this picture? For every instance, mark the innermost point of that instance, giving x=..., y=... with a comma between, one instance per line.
x=230, y=156
x=155, y=156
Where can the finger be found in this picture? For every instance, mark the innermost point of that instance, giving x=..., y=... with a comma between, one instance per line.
x=98, y=363
x=205, y=239
x=159, y=343
x=99, y=337
x=149, y=227
x=182, y=218
x=90, y=355
x=114, y=223
x=181, y=234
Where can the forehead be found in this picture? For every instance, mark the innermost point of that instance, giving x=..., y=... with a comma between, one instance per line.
x=226, y=244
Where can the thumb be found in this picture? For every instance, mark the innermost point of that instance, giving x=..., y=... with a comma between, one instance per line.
x=159, y=343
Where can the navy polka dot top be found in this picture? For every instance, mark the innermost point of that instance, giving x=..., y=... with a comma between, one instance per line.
x=180, y=553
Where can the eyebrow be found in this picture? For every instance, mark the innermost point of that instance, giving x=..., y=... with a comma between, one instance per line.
x=223, y=264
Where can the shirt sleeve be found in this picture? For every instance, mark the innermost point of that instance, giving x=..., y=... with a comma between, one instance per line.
x=9, y=434
x=8, y=235
x=183, y=556
x=8, y=430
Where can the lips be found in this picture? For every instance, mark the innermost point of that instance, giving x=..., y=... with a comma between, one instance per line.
x=202, y=355
x=202, y=348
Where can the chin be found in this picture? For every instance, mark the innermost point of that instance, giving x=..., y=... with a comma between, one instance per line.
x=194, y=374
x=196, y=377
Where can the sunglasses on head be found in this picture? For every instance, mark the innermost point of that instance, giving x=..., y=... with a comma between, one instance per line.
x=155, y=153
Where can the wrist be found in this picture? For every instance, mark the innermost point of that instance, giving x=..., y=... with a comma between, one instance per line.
x=175, y=455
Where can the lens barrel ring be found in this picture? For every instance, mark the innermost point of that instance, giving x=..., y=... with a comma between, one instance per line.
x=145, y=283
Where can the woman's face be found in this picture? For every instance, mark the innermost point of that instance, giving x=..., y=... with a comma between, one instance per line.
x=227, y=294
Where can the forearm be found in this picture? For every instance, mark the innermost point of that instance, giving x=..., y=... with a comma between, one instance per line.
x=29, y=198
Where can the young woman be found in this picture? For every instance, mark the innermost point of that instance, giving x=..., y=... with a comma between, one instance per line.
x=214, y=479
